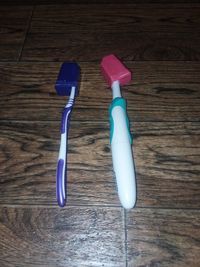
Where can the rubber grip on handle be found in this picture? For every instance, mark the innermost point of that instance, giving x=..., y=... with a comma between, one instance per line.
x=60, y=183
x=123, y=163
x=119, y=101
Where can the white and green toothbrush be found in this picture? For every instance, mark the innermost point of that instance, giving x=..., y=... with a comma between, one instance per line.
x=116, y=74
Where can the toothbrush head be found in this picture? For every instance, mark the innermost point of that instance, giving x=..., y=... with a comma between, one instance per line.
x=114, y=70
x=68, y=77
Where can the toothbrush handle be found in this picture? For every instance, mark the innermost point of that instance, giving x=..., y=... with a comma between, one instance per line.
x=122, y=156
x=61, y=174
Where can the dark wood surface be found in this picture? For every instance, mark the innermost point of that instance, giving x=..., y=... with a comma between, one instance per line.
x=132, y=46
x=164, y=91
x=166, y=158
x=88, y=2
x=160, y=44
x=14, y=23
x=163, y=237
x=148, y=33
x=119, y=18
x=74, y=236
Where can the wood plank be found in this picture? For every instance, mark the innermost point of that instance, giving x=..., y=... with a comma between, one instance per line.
x=163, y=238
x=115, y=18
x=28, y=160
x=75, y=236
x=168, y=165
x=93, y=46
x=167, y=159
x=160, y=91
x=58, y=2
x=14, y=22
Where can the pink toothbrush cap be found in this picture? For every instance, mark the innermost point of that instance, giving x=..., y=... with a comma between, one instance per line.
x=114, y=70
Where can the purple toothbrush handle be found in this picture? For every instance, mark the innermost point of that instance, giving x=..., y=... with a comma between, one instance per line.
x=65, y=119
x=61, y=174
x=60, y=184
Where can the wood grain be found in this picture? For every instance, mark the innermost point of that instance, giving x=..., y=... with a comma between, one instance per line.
x=116, y=18
x=28, y=161
x=133, y=46
x=147, y=32
x=88, y=2
x=164, y=91
x=167, y=163
x=161, y=46
x=75, y=236
x=14, y=23
x=163, y=238
x=166, y=158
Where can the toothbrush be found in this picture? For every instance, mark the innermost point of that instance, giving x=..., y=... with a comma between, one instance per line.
x=116, y=74
x=66, y=84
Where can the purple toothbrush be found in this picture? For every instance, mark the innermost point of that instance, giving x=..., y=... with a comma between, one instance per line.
x=66, y=85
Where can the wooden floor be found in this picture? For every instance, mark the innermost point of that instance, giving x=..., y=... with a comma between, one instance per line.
x=160, y=43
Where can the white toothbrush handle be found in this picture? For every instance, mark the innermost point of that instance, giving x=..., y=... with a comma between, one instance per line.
x=122, y=157
x=61, y=173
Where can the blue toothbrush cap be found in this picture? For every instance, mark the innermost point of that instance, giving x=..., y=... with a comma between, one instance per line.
x=67, y=78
